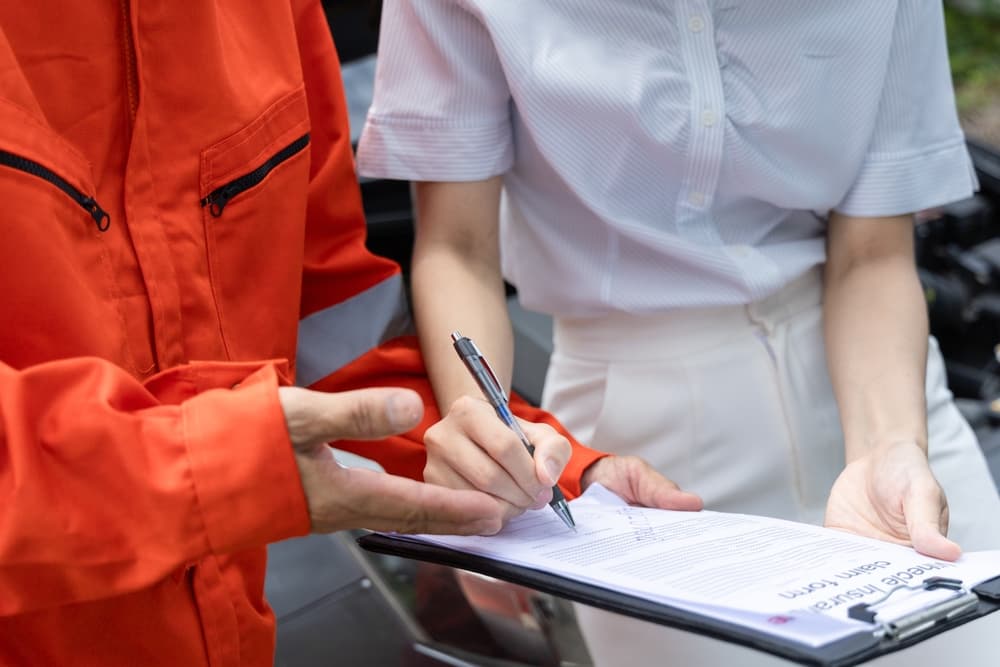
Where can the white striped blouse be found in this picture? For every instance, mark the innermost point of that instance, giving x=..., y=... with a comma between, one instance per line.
x=668, y=153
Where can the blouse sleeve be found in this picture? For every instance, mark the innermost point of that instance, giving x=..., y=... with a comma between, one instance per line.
x=441, y=108
x=917, y=157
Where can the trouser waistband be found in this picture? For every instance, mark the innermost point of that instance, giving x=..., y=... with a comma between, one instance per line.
x=682, y=331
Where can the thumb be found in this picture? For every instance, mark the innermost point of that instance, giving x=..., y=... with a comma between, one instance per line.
x=926, y=517
x=315, y=417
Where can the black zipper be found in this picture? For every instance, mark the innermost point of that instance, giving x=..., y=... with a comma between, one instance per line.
x=100, y=216
x=219, y=197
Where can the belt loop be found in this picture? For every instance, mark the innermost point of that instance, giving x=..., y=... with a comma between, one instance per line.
x=802, y=293
x=761, y=316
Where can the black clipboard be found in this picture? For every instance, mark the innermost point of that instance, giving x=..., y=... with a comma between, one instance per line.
x=851, y=650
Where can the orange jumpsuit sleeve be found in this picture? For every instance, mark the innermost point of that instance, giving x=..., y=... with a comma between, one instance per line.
x=109, y=485
x=336, y=262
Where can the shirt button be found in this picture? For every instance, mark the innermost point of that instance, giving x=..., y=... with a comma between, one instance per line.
x=708, y=118
x=696, y=24
x=740, y=251
x=696, y=198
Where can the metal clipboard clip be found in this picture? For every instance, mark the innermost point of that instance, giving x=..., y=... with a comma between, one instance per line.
x=962, y=602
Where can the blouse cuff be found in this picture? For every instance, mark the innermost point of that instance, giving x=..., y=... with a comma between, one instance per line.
x=911, y=183
x=419, y=150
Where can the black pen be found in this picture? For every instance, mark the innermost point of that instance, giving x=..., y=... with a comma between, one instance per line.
x=490, y=386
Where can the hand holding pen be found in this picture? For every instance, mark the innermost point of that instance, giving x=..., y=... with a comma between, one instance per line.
x=495, y=395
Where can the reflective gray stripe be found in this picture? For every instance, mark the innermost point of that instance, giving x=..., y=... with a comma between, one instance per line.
x=332, y=338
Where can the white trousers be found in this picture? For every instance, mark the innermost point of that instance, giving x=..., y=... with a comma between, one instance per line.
x=735, y=404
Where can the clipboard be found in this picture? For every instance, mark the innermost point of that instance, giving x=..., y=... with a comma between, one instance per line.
x=854, y=649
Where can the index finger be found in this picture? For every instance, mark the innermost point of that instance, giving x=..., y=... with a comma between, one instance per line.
x=482, y=426
x=552, y=451
x=379, y=501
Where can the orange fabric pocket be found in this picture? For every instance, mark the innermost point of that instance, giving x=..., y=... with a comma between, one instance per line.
x=254, y=187
x=59, y=288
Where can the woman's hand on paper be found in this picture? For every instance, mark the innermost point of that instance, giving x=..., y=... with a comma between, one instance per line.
x=639, y=484
x=472, y=449
x=891, y=494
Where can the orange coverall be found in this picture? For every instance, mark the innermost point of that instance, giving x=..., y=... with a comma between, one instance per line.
x=179, y=212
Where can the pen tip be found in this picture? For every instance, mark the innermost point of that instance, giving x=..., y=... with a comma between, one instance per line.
x=455, y=335
x=562, y=509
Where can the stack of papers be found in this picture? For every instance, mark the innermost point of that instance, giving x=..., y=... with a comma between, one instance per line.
x=790, y=580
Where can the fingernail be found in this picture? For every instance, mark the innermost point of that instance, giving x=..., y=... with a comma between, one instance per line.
x=488, y=527
x=403, y=414
x=552, y=468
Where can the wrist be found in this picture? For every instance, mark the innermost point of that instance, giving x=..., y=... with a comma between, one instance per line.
x=592, y=472
x=588, y=474
x=877, y=447
x=298, y=418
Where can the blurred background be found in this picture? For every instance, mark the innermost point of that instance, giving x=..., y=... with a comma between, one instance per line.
x=974, y=43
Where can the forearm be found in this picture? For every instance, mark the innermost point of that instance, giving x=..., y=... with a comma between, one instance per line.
x=449, y=295
x=876, y=333
x=109, y=485
x=457, y=284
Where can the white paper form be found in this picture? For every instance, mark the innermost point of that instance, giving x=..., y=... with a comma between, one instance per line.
x=788, y=579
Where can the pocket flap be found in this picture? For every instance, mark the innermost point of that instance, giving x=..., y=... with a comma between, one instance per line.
x=279, y=125
x=30, y=138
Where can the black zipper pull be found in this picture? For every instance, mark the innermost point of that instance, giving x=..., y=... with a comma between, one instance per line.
x=218, y=199
x=99, y=215
x=89, y=204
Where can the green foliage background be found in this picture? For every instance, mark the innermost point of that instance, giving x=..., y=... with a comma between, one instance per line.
x=974, y=43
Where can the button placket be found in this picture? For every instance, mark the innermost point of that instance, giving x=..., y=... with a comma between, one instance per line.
x=704, y=153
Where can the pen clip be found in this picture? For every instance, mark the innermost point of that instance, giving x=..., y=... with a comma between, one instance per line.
x=466, y=349
x=492, y=376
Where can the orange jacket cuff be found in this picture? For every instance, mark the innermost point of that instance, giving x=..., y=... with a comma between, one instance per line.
x=243, y=468
x=580, y=459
